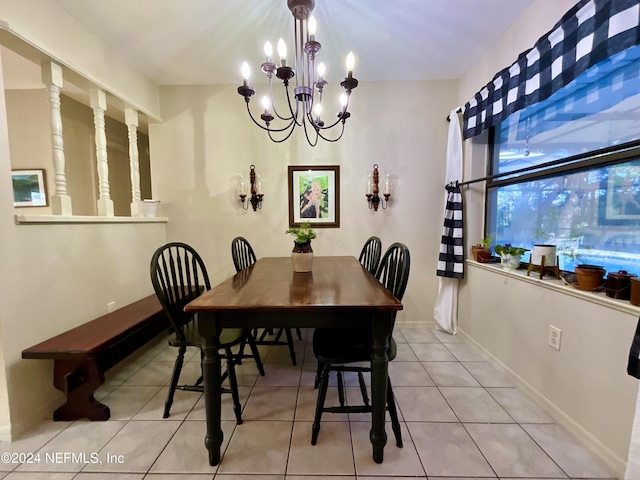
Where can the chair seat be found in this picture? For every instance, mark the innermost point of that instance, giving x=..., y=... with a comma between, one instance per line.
x=337, y=345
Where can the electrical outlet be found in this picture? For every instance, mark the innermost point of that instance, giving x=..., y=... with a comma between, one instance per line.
x=111, y=306
x=555, y=335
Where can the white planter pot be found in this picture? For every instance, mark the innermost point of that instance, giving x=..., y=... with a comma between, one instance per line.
x=548, y=252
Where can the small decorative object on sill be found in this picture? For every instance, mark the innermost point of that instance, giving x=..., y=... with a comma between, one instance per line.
x=149, y=207
x=544, y=260
x=481, y=251
x=635, y=291
x=302, y=254
x=589, y=277
x=510, y=256
x=619, y=285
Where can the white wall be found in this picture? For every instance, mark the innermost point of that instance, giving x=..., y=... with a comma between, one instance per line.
x=207, y=138
x=585, y=385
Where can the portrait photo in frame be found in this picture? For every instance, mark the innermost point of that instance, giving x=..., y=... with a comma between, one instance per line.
x=29, y=188
x=314, y=195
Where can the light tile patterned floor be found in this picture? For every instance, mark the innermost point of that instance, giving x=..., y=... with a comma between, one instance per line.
x=461, y=419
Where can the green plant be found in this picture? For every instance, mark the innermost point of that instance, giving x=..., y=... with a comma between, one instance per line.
x=508, y=249
x=303, y=234
x=485, y=242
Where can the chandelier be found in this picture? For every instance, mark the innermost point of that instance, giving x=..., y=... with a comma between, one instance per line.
x=305, y=109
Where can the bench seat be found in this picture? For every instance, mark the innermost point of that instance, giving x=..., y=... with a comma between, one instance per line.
x=83, y=354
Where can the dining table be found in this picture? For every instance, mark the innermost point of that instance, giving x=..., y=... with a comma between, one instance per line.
x=338, y=293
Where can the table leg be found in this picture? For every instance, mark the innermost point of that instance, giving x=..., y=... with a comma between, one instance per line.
x=211, y=379
x=381, y=331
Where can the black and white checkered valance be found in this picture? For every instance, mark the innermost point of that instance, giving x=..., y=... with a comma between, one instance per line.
x=591, y=31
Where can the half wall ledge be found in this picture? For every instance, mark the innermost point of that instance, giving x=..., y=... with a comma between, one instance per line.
x=60, y=219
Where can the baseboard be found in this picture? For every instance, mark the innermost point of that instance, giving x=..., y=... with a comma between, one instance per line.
x=33, y=421
x=617, y=464
x=414, y=323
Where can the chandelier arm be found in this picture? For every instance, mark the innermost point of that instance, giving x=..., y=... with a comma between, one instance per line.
x=332, y=139
x=268, y=129
x=273, y=105
x=329, y=127
x=291, y=126
x=306, y=134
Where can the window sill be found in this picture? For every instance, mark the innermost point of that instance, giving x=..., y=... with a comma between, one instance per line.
x=555, y=284
x=60, y=219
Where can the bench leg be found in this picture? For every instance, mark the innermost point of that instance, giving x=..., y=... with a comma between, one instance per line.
x=79, y=380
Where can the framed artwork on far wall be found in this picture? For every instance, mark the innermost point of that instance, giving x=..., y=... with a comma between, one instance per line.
x=314, y=195
x=29, y=188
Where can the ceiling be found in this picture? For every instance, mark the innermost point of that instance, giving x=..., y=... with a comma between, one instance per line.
x=191, y=42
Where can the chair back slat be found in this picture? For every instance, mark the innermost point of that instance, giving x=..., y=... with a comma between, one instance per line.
x=242, y=253
x=370, y=254
x=393, y=271
x=178, y=275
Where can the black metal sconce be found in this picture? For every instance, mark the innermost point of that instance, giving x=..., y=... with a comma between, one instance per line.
x=372, y=189
x=255, y=190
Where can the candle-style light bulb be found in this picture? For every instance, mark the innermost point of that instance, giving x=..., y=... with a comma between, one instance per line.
x=368, y=185
x=386, y=186
x=343, y=100
x=266, y=104
x=351, y=61
x=246, y=72
x=258, y=185
x=282, y=51
x=318, y=110
x=311, y=24
x=242, y=185
x=321, y=69
x=268, y=51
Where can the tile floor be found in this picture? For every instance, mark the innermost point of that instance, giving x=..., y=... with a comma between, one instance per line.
x=461, y=419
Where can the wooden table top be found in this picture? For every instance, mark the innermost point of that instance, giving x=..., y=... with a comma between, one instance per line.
x=270, y=284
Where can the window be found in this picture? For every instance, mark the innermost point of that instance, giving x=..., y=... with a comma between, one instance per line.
x=582, y=191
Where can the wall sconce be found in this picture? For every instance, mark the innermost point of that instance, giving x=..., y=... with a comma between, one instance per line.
x=372, y=189
x=255, y=189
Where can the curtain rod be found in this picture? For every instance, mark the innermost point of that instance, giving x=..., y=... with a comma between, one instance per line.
x=593, y=154
x=458, y=110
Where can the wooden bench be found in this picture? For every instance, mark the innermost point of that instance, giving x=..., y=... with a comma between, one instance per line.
x=83, y=354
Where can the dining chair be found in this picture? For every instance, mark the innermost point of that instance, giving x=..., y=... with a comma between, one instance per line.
x=243, y=257
x=338, y=349
x=370, y=254
x=178, y=275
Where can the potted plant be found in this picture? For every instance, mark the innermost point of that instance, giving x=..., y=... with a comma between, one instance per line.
x=481, y=252
x=302, y=254
x=509, y=255
x=589, y=277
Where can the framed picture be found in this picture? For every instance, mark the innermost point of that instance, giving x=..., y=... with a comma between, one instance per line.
x=314, y=195
x=621, y=203
x=29, y=188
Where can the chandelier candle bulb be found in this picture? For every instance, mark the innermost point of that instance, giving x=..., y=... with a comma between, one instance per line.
x=266, y=104
x=321, y=70
x=312, y=28
x=351, y=61
x=268, y=51
x=246, y=72
x=282, y=52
